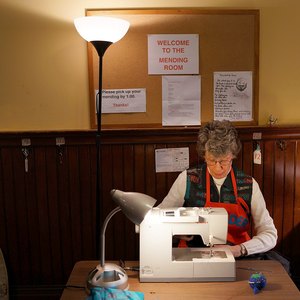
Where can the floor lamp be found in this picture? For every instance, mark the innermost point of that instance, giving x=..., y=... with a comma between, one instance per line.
x=101, y=32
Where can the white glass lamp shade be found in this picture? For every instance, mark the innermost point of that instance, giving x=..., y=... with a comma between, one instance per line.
x=98, y=28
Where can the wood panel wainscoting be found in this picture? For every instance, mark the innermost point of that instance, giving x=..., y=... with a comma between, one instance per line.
x=47, y=195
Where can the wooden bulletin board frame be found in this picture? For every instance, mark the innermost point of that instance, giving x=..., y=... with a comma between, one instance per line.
x=229, y=41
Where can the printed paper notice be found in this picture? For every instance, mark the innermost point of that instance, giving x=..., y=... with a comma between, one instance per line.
x=173, y=54
x=181, y=100
x=171, y=159
x=123, y=100
x=233, y=96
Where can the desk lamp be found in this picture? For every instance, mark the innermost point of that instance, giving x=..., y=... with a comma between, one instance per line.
x=101, y=32
x=135, y=206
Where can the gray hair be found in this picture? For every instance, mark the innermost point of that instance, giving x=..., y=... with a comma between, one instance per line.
x=220, y=138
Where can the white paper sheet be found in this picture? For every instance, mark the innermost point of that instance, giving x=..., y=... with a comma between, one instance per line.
x=181, y=97
x=123, y=100
x=233, y=96
x=173, y=54
x=171, y=159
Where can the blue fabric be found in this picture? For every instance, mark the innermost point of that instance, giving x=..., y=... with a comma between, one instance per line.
x=98, y=293
x=257, y=282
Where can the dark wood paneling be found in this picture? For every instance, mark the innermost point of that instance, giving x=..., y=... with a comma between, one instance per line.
x=288, y=198
x=48, y=215
x=278, y=198
x=267, y=185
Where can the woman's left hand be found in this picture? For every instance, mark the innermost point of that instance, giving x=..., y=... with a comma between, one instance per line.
x=235, y=250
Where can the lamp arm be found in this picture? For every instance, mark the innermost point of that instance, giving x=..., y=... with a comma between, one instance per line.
x=103, y=229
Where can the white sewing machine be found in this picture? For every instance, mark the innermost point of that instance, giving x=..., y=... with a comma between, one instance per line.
x=160, y=262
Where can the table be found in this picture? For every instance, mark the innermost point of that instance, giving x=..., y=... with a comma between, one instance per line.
x=279, y=285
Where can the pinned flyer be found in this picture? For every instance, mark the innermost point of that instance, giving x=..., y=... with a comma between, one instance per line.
x=171, y=159
x=173, y=54
x=123, y=100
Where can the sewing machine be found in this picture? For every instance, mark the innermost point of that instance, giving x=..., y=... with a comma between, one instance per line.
x=160, y=262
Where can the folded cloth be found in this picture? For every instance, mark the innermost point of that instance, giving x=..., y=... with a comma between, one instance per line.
x=98, y=293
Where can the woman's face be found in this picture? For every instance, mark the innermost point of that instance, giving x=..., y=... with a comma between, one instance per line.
x=218, y=166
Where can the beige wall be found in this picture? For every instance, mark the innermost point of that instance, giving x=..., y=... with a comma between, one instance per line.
x=43, y=69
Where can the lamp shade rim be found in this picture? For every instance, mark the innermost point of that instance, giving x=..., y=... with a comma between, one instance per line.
x=101, y=28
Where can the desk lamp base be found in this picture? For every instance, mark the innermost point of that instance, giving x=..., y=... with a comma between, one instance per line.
x=108, y=276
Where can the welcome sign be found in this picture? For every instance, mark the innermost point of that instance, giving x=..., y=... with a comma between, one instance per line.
x=173, y=54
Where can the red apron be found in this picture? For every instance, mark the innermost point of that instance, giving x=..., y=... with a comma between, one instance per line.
x=238, y=213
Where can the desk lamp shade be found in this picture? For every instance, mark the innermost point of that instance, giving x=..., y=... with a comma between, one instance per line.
x=98, y=28
x=134, y=205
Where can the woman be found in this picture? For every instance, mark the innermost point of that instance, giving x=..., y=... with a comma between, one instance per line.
x=217, y=183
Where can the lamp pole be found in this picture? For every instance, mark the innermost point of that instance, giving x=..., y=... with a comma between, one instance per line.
x=101, y=47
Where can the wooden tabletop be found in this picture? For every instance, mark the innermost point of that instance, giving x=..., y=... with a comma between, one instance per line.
x=279, y=284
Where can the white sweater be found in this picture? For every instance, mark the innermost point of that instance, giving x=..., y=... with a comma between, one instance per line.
x=266, y=233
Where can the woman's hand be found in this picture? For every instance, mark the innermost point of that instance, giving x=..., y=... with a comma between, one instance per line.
x=235, y=250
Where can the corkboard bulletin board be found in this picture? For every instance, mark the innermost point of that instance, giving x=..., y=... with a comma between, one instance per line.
x=229, y=41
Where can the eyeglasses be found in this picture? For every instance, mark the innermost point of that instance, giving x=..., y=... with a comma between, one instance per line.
x=223, y=163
